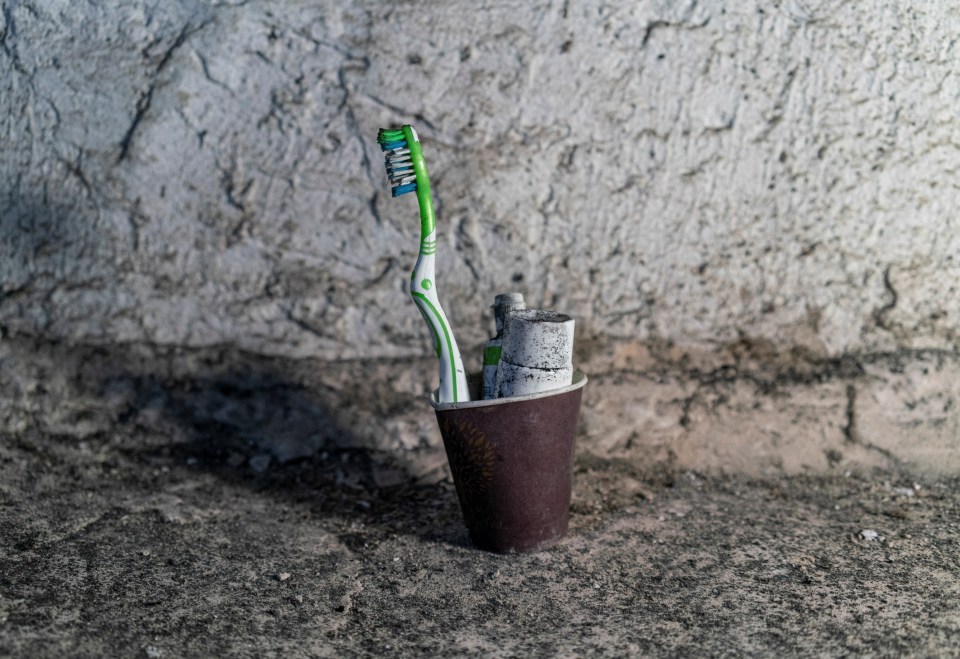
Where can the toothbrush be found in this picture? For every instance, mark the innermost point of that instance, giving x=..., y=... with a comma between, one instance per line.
x=408, y=173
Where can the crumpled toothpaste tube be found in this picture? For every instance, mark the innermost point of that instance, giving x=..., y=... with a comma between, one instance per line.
x=503, y=304
x=537, y=353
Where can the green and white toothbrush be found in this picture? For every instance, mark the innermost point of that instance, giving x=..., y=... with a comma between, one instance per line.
x=408, y=173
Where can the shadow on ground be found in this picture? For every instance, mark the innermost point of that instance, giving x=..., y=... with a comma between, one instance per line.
x=279, y=437
x=288, y=429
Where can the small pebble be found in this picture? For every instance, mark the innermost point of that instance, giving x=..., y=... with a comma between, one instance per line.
x=870, y=535
x=153, y=652
x=284, y=576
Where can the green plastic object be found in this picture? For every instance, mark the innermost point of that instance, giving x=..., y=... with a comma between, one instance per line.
x=423, y=281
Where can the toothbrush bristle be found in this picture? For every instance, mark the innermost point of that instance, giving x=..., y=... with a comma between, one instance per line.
x=397, y=160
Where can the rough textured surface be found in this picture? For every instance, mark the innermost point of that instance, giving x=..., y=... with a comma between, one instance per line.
x=748, y=410
x=196, y=174
x=733, y=181
x=134, y=543
x=214, y=437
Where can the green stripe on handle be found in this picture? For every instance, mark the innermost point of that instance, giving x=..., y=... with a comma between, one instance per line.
x=428, y=247
x=451, y=366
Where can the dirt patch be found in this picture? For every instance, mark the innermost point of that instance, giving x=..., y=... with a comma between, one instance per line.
x=136, y=543
x=215, y=503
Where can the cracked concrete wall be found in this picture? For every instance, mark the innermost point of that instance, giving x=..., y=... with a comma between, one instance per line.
x=199, y=174
x=195, y=174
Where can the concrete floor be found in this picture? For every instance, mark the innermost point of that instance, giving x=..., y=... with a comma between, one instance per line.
x=130, y=544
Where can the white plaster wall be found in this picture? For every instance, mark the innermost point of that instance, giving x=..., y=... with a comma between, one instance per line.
x=200, y=174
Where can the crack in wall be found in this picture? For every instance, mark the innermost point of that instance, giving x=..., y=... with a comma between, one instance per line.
x=146, y=98
x=880, y=315
x=10, y=32
x=850, y=412
x=851, y=435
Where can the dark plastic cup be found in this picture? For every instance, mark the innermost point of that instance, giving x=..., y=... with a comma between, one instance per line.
x=512, y=464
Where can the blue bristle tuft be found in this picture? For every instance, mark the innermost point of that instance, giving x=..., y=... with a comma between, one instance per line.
x=393, y=145
x=403, y=189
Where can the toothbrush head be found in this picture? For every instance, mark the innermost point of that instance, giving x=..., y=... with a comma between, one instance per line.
x=402, y=149
x=408, y=173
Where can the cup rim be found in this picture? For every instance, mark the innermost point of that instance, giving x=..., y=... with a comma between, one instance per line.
x=579, y=380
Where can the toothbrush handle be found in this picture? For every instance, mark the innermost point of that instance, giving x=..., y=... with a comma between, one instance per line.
x=453, y=380
x=423, y=290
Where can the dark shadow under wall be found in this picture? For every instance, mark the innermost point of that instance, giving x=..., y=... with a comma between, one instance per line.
x=267, y=424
